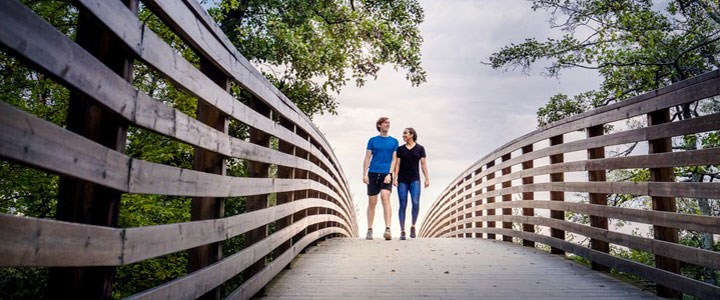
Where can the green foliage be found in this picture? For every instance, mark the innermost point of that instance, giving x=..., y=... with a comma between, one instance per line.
x=634, y=47
x=23, y=283
x=313, y=48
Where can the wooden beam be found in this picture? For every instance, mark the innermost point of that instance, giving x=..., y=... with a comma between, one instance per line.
x=82, y=201
x=557, y=196
x=597, y=198
x=507, y=197
x=490, y=188
x=257, y=170
x=208, y=208
x=663, y=233
x=528, y=196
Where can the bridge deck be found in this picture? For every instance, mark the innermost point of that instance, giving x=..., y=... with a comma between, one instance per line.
x=441, y=269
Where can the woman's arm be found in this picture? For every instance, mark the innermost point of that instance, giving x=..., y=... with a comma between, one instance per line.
x=423, y=164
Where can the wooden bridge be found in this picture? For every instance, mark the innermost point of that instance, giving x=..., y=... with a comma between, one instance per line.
x=311, y=202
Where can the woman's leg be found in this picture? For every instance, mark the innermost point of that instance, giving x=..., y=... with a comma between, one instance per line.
x=415, y=196
x=402, y=189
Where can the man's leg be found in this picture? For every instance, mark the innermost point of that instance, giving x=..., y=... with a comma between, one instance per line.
x=387, y=210
x=372, y=202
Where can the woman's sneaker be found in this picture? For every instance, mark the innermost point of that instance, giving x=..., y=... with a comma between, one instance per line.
x=412, y=232
x=369, y=235
x=387, y=234
x=402, y=236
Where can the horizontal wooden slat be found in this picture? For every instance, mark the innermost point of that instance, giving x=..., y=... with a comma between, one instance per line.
x=661, y=218
x=50, y=243
x=657, y=160
x=34, y=141
x=147, y=242
x=666, y=189
x=669, y=279
x=28, y=139
x=262, y=278
x=683, y=253
x=198, y=283
x=44, y=242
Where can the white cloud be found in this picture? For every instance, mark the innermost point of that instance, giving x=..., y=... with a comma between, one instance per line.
x=465, y=110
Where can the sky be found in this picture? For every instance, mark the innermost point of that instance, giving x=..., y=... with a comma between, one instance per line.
x=464, y=110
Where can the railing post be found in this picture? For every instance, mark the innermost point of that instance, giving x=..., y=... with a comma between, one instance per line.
x=597, y=198
x=478, y=202
x=490, y=188
x=557, y=195
x=285, y=172
x=663, y=203
x=204, y=208
x=301, y=194
x=257, y=202
x=506, y=198
x=81, y=201
x=528, y=196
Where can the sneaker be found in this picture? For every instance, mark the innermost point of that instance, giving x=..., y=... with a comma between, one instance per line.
x=402, y=236
x=387, y=234
x=369, y=235
x=412, y=232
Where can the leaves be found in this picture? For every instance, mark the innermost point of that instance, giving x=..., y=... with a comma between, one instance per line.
x=634, y=47
x=312, y=48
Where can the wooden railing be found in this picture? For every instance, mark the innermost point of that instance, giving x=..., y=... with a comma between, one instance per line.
x=83, y=245
x=479, y=204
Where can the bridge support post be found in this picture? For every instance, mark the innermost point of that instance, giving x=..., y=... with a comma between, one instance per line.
x=506, y=198
x=205, y=208
x=490, y=188
x=285, y=172
x=257, y=202
x=478, y=202
x=528, y=196
x=557, y=195
x=663, y=203
x=81, y=201
x=598, y=198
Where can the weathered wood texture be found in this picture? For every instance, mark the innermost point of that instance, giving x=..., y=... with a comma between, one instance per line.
x=662, y=187
x=440, y=269
x=88, y=154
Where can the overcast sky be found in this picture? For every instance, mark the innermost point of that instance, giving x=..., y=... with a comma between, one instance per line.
x=464, y=110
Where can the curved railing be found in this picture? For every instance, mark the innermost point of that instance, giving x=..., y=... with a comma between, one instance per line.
x=313, y=200
x=479, y=202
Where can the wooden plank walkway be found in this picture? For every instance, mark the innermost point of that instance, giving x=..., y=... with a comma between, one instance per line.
x=440, y=269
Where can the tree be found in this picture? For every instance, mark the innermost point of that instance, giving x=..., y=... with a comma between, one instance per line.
x=635, y=46
x=310, y=49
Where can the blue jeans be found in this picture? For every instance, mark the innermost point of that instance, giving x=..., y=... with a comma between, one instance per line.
x=403, y=188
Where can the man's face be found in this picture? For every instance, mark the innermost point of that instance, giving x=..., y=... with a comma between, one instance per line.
x=385, y=126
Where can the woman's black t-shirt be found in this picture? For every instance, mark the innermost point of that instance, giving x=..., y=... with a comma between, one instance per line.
x=409, y=159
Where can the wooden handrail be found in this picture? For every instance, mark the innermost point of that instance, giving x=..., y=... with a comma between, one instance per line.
x=467, y=207
x=320, y=205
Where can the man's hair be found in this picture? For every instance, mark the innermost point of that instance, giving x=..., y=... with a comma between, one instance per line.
x=380, y=121
x=413, y=132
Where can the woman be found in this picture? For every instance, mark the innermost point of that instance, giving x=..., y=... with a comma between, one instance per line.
x=407, y=177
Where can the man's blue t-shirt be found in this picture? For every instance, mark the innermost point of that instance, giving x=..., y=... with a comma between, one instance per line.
x=382, y=148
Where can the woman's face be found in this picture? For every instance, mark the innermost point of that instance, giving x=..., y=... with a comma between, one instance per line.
x=407, y=136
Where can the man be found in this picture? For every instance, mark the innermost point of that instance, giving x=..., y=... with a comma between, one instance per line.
x=380, y=158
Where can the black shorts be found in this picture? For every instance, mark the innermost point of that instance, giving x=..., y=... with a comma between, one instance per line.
x=375, y=183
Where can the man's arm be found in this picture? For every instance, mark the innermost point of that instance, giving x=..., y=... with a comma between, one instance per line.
x=423, y=164
x=366, y=165
x=388, y=177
